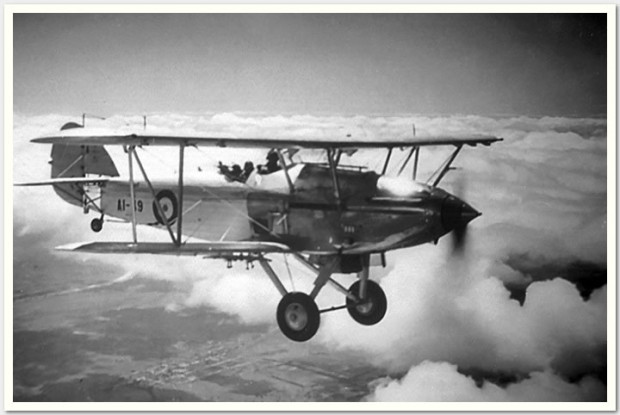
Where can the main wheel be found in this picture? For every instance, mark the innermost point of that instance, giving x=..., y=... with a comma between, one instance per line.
x=298, y=316
x=369, y=310
x=96, y=225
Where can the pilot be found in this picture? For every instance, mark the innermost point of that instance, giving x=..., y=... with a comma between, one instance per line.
x=273, y=163
x=248, y=168
x=231, y=174
x=236, y=172
x=223, y=169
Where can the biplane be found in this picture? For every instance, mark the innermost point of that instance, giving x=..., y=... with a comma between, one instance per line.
x=333, y=218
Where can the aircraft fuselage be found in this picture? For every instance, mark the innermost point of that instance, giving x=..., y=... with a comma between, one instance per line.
x=375, y=213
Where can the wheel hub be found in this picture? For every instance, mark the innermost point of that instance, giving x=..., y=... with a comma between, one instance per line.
x=369, y=310
x=296, y=316
x=366, y=307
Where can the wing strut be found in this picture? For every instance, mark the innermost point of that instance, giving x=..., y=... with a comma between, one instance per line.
x=131, y=150
x=132, y=194
x=415, y=162
x=291, y=187
x=332, y=167
x=416, y=151
x=160, y=210
x=180, y=217
x=338, y=155
x=387, y=161
x=445, y=167
x=406, y=160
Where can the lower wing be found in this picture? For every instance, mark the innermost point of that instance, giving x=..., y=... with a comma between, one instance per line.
x=207, y=249
x=66, y=180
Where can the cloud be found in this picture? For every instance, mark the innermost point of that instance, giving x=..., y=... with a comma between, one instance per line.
x=542, y=193
x=441, y=382
x=458, y=313
x=244, y=295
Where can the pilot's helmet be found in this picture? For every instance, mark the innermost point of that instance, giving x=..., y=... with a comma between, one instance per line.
x=272, y=156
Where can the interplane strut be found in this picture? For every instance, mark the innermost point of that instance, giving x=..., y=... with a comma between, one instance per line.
x=131, y=151
x=132, y=195
x=160, y=210
x=446, y=166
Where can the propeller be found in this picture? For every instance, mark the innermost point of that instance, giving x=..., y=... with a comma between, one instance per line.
x=456, y=215
x=459, y=234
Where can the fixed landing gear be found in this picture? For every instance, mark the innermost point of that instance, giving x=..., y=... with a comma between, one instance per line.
x=96, y=224
x=370, y=309
x=298, y=316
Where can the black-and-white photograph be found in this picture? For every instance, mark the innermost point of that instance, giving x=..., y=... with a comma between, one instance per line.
x=311, y=207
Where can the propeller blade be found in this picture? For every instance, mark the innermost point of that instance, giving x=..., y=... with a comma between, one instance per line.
x=459, y=234
x=459, y=238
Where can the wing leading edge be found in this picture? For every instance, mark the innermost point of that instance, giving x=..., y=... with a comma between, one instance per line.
x=209, y=249
x=163, y=140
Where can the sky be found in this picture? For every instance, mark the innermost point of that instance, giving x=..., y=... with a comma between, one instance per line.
x=485, y=64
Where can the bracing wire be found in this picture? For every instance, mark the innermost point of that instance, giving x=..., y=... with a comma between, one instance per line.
x=207, y=155
x=239, y=211
x=162, y=161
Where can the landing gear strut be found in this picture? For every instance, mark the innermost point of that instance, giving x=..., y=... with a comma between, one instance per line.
x=299, y=317
x=97, y=224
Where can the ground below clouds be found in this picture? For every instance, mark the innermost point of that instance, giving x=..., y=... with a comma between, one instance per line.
x=94, y=339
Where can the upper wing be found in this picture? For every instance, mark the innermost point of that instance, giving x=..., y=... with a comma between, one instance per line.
x=209, y=249
x=73, y=138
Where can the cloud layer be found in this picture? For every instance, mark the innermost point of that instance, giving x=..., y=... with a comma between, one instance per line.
x=441, y=382
x=543, y=194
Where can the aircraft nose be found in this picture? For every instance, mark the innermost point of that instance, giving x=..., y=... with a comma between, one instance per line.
x=456, y=214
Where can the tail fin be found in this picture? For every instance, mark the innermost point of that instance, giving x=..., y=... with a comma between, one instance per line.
x=77, y=161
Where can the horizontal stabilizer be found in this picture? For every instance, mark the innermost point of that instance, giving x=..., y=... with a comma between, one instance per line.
x=167, y=248
x=66, y=180
x=78, y=138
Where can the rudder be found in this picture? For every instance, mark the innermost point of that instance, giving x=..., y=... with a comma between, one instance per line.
x=78, y=161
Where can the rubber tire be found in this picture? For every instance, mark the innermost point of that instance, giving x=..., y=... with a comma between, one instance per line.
x=301, y=303
x=378, y=301
x=96, y=225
